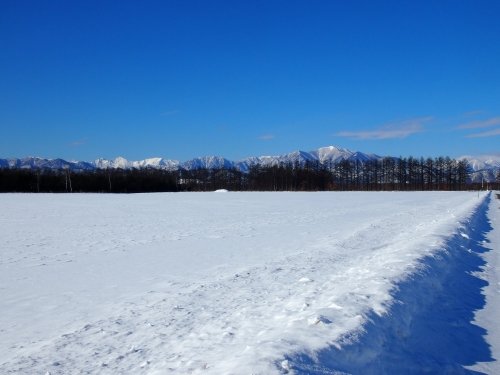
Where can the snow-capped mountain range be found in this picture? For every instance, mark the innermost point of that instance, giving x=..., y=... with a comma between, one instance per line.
x=484, y=167
x=122, y=163
x=330, y=154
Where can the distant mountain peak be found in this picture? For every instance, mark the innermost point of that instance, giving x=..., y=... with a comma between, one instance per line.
x=484, y=166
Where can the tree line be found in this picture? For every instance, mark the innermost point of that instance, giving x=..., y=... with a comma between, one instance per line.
x=405, y=174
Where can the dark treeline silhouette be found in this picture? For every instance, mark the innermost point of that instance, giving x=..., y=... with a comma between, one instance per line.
x=403, y=174
x=410, y=173
x=98, y=181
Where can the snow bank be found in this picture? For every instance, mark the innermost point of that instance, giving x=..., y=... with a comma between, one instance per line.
x=197, y=283
x=490, y=273
x=429, y=326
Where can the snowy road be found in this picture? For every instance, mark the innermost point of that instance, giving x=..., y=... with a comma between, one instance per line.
x=207, y=283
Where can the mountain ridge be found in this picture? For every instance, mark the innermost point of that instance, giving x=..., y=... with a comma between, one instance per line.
x=322, y=155
x=484, y=167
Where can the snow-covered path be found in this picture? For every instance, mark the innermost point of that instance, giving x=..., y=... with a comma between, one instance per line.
x=206, y=283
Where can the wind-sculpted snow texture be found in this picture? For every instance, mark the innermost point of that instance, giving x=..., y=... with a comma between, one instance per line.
x=240, y=283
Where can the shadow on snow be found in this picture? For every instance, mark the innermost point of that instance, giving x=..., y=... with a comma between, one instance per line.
x=429, y=328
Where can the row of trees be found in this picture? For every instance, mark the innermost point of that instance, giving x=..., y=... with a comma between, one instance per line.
x=98, y=181
x=410, y=173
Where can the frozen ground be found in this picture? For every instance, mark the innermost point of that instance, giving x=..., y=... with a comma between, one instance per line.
x=243, y=283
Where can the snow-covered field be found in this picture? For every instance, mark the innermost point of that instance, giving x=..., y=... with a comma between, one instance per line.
x=248, y=283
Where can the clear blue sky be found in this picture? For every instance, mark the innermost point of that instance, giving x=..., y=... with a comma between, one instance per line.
x=179, y=79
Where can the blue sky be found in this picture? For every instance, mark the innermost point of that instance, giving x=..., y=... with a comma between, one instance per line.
x=180, y=79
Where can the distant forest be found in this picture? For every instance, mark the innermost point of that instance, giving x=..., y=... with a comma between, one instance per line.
x=405, y=174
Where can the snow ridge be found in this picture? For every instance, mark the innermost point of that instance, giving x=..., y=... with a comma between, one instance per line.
x=430, y=322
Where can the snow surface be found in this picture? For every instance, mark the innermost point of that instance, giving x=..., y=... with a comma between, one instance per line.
x=207, y=283
x=489, y=316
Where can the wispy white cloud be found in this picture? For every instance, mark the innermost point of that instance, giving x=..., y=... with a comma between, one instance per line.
x=266, y=137
x=170, y=113
x=390, y=131
x=473, y=113
x=79, y=142
x=494, y=121
x=489, y=133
